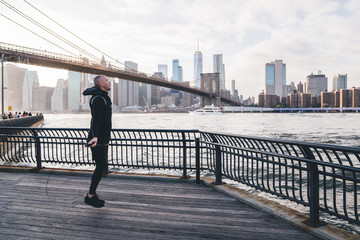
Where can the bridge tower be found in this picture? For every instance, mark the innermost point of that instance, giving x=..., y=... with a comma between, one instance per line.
x=210, y=82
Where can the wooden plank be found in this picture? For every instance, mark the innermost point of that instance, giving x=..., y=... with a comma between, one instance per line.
x=51, y=206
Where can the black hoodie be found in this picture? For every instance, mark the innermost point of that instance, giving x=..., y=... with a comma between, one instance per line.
x=100, y=125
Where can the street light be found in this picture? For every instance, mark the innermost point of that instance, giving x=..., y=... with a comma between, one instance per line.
x=2, y=83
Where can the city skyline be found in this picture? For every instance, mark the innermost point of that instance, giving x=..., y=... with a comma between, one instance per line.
x=247, y=33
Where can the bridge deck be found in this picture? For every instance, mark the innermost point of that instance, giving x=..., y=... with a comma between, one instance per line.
x=48, y=206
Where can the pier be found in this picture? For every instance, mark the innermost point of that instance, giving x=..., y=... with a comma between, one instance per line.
x=41, y=196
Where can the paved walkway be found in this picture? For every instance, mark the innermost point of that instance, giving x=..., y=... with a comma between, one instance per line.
x=48, y=206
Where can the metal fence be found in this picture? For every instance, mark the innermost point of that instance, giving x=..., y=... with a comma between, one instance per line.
x=325, y=178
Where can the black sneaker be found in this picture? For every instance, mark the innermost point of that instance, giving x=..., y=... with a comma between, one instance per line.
x=94, y=201
x=96, y=195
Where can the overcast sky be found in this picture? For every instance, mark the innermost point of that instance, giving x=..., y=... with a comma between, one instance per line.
x=308, y=35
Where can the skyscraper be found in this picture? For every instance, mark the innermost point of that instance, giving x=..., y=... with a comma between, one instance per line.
x=74, y=91
x=340, y=81
x=163, y=68
x=13, y=93
x=316, y=83
x=275, y=78
x=59, y=99
x=175, y=70
x=128, y=90
x=31, y=81
x=198, y=67
x=219, y=67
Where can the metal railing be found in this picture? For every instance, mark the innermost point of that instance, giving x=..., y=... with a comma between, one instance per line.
x=325, y=178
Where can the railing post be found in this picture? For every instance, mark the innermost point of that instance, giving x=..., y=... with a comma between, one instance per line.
x=218, y=169
x=37, y=150
x=197, y=159
x=314, y=187
x=184, y=176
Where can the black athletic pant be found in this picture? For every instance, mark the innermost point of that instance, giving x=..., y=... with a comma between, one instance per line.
x=99, y=155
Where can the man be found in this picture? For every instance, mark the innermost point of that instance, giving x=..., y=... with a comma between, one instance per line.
x=99, y=134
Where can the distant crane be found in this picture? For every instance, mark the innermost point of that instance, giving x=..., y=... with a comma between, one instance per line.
x=147, y=105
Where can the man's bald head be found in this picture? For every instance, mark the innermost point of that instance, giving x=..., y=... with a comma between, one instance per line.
x=98, y=79
x=102, y=82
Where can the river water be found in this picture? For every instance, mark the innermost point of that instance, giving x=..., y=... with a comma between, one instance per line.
x=329, y=128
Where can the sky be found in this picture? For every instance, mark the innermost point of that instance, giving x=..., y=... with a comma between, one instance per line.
x=308, y=35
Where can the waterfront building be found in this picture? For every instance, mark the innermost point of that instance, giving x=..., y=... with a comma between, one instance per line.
x=42, y=98
x=336, y=98
x=168, y=101
x=316, y=83
x=31, y=81
x=305, y=100
x=275, y=78
x=219, y=67
x=300, y=87
x=314, y=100
x=355, y=97
x=187, y=99
x=295, y=100
x=261, y=99
x=144, y=94
x=198, y=67
x=327, y=99
x=59, y=98
x=13, y=87
x=290, y=89
x=345, y=98
x=163, y=68
x=340, y=81
x=155, y=95
x=270, y=100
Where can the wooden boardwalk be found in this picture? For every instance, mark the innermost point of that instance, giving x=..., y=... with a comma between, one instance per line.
x=49, y=206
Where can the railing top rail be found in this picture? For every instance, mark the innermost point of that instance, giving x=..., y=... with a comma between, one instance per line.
x=114, y=129
x=298, y=143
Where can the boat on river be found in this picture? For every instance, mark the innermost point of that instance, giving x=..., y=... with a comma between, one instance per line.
x=208, y=110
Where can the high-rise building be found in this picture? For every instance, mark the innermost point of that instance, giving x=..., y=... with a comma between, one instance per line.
x=180, y=71
x=31, y=81
x=219, y=67
x=74, y=90
x=327, y=99
x=13, y=92
x=345, y=98
x=305, y=100
x=42, y=98
x=316, y=83
x=300, y=87
x=336, y=98
x=128, y=90
x=340, y=81
x=355, y=92
x=275, y=78
x=59, y=98
x=198, y=67
x=163, y=68
x=175, y=70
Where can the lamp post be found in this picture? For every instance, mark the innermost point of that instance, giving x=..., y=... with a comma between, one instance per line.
x=2, y=84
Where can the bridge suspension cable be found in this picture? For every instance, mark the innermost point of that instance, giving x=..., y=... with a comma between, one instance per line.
x=37, y=34
x=48, y=30
x=89, y=44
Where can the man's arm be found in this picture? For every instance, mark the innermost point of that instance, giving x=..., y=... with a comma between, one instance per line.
x=98, y=111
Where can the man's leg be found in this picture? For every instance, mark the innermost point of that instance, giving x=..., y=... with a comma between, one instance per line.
x=100, y=157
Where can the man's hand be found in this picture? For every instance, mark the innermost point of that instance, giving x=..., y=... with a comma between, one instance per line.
x=93, y=142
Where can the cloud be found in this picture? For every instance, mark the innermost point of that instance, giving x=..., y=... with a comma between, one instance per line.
x=306, y=35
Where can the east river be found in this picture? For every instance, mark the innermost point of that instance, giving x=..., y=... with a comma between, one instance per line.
x=329, y=128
